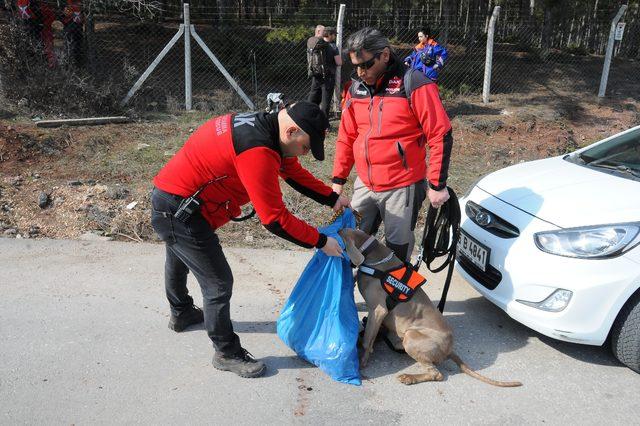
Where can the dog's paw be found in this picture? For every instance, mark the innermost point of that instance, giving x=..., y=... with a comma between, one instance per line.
x=407, y=379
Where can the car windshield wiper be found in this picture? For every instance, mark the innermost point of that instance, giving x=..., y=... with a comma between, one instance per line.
x=583, y=159
x=577, y=158
x=618, y=168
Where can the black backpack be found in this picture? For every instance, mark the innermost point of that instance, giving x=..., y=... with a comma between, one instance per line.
x=316, y=47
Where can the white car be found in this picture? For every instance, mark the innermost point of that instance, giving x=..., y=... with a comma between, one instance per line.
x=555, y=243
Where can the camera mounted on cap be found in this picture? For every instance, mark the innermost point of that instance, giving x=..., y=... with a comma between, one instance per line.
x=275, y=102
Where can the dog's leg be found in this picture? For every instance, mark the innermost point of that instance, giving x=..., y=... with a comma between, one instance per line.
x=376, y=316
x=431, y=374
x=428, y=348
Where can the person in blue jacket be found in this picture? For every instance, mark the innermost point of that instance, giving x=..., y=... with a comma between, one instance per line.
x=428, y=56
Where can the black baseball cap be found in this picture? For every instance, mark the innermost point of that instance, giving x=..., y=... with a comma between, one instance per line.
x=313, y=121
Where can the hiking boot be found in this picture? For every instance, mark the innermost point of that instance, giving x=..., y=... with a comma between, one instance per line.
x=242, y=363
x=190, y=316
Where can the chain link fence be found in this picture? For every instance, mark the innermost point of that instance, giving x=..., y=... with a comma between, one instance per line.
x=263, y=50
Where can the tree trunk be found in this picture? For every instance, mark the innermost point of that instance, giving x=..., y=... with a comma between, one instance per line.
x=447, y=18
x=90, y=41
x=546, y=30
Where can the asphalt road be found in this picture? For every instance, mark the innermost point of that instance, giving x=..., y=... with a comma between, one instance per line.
x=84, y=340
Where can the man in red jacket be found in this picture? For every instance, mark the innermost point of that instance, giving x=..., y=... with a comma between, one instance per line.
x=390, y=114
x=227, y=162
x=36, y=18
x=73, y=20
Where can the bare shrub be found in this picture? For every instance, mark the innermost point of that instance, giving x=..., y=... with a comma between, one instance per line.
x=49, y=89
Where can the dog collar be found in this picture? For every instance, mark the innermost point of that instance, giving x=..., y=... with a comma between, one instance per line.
x=367, y=246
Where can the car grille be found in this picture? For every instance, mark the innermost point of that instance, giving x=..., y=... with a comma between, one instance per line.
x=489, y=278
x=492, y=222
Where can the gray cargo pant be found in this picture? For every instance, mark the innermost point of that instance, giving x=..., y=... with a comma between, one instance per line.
x=397, y=208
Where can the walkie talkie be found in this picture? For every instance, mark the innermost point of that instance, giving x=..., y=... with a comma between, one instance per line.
x=192, y=204
x=187, y=208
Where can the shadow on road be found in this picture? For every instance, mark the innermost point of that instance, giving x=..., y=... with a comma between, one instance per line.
x=482, y=332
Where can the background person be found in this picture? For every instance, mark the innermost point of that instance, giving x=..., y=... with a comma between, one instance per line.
x=323, y=84
x=36, y=18
x=73, y=20
x=428, y=55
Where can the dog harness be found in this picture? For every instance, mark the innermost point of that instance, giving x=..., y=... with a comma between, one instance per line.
x=399, y=283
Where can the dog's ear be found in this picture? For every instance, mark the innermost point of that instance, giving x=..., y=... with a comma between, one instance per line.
x=354, y=254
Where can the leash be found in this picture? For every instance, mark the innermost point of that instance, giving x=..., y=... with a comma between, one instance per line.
x=439, y=239
x=384, y=333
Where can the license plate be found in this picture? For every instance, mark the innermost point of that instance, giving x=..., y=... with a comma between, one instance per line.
x=473, y=250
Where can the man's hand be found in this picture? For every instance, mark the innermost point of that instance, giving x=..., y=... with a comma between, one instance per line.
x=341, y=202
x=438, y=198
x=332, y=248
x=337, y=188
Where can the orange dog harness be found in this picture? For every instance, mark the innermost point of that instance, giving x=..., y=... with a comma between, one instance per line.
x=400, y=283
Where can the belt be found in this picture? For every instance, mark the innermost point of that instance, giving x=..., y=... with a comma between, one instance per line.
x=166, y=194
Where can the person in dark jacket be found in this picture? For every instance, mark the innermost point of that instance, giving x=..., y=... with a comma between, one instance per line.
x=391, y=114
x=227, y=162
x=323, y=85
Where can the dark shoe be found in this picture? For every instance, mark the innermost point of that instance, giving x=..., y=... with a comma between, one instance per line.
x=190, y=316
x=243, y=364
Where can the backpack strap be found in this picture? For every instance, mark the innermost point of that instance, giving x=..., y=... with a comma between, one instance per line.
x=408, y=85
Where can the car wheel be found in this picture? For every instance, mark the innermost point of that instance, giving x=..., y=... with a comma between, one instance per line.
x=625, y=334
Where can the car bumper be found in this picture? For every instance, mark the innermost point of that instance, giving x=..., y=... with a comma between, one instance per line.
x=599, y=287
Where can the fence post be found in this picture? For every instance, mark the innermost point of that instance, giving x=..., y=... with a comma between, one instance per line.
x=153, y=66
x=337, y=91
x=486, y=87
x=222, y=69
x=187, y=58
x=2, y=98
x=607, y=57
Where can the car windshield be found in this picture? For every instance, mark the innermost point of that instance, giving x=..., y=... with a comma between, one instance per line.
x=619, y=156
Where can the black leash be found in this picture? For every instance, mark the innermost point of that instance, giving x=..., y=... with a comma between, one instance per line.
x=439, y=239
x=383, y=333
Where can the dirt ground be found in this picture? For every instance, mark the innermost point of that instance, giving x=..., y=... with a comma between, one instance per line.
x=94, y=181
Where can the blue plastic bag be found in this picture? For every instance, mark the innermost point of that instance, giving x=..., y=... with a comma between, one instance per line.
x=319, y=321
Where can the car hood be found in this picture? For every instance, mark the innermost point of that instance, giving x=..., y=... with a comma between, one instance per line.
x=566, y=194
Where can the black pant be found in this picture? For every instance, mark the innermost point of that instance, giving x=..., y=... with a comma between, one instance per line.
x=195, y=247
x=321, y=92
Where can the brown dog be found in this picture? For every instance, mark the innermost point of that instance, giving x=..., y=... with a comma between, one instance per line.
x=415, y=325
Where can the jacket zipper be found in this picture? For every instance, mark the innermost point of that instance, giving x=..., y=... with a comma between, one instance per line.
x=380, y=117
x=366, y=139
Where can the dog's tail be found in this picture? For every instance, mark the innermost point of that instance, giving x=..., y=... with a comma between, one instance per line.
x=467, y=370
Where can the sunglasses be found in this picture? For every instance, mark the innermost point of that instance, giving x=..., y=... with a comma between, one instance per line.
x=368, y=64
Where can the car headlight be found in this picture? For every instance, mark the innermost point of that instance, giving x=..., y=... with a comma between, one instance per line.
x=590, y=242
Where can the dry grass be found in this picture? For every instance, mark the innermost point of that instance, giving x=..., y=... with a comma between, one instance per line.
x=486, y=138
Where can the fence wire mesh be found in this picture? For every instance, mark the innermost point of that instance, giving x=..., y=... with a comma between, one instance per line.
x=263, y=50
